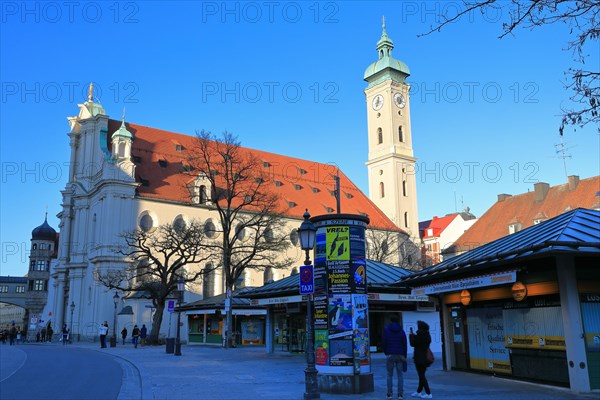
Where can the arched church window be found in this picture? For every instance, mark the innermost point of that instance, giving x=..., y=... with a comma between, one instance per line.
x=379, y=135
x=203, y=194
x=404, y=188
x=146, y=223
x=400, y=134
x=35, y=246
x=381, y=190
x=208, y=282
x=406, y=219
x=268, y=275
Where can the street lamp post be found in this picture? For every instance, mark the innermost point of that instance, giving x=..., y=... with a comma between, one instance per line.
x=180, y=288
x=307, y=233
x=113, y=339
x=71, y=329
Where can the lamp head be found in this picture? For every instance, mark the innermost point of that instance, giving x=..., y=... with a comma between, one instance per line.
x=180, y=284
x=307, y=233
x=116, y=298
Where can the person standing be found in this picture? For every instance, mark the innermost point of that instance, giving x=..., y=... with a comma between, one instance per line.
x=395, y=348
x=49, y=332
x=103, y=331
x=13, y=335
x=135, y=334
x=65, y=334
x=124, y=335
x=43, y=338
x=143, y=334
x=421, y=341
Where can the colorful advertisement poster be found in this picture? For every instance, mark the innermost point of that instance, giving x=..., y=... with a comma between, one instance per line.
x=359, y=276
x=359, y=311
x=337, y=243
x=340, y=352
x=340, y=315
x=321, y=311
x=357, y=242
x=321, y=347
x=252, y=331
x=361, y=345
x=339, y=277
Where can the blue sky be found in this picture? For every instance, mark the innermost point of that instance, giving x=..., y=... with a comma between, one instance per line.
x=286, y=77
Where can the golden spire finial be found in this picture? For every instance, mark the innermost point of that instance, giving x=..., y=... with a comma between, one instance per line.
x=91, y=92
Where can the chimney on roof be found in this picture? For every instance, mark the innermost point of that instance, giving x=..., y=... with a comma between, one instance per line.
x=573, y=181
x=541, y=190
x=503, y=196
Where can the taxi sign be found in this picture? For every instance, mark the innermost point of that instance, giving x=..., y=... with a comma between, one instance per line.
x=307, y=281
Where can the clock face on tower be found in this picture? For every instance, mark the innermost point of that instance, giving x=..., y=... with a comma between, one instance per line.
x=399, y=100
x=377, y=102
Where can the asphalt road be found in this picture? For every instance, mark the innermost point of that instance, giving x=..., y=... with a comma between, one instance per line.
x=57, y=373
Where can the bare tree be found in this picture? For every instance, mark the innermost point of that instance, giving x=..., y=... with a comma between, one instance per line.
x=158, y=258
x=251, y=225
x=581, y=16
x=393, y=247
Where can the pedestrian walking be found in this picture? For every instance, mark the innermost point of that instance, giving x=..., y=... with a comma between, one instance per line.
x=19, y=334
x=103, y=331
x=43, y=338
x=143, y=334
x=395, y=348
x=135, y=334
x=124, y=335
x=421, y=341
x=13, y=335
x=49, y=332
x=65, y=334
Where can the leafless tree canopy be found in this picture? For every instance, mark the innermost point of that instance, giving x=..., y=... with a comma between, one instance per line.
x=252, y=232
x=393, y=247
x=158, y=258
x=583, y=19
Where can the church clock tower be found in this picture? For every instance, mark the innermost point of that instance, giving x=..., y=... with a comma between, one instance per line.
x=391, y=164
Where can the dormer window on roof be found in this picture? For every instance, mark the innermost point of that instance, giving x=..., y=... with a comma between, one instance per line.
x=178, y=147
x=302, y=171
x=136, y=159
x=297, y=187
x=259, y=180
x=315, y=189
x=292, y=204
x=514, y=228
x=349, y=195
x=145, y=182
x=329, y=210
x=266, y=164
x=162, y=163
x=278, y=183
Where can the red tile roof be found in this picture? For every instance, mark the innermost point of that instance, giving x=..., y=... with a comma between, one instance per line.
x=160, y=161
x=438, y=225
x=524, y=209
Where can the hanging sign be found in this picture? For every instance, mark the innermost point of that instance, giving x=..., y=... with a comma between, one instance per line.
x=519, y=291
x=468, y=283
x=307, y=282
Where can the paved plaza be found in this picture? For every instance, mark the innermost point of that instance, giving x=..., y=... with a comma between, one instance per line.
x=211, y=373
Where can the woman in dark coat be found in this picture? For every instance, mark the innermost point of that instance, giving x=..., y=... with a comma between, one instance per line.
x=420, y=341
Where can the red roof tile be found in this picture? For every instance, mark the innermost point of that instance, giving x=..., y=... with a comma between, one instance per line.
x=524, y=209
x=302, y=184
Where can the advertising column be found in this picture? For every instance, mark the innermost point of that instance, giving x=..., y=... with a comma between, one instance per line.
x=340, y=304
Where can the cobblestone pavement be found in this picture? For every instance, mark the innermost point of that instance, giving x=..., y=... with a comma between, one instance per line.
x=211, y=373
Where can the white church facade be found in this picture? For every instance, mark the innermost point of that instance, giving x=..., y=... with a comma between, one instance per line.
x=124, y=175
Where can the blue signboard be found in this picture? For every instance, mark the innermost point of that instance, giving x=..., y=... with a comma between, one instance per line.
x=170, y=305
x=307, y=283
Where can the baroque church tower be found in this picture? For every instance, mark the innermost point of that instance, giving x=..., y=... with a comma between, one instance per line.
x=391, y=163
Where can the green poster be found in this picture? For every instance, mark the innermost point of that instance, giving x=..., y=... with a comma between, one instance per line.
x=337, y=243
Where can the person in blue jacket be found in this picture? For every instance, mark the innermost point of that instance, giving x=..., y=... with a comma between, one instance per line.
x=395, y=348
